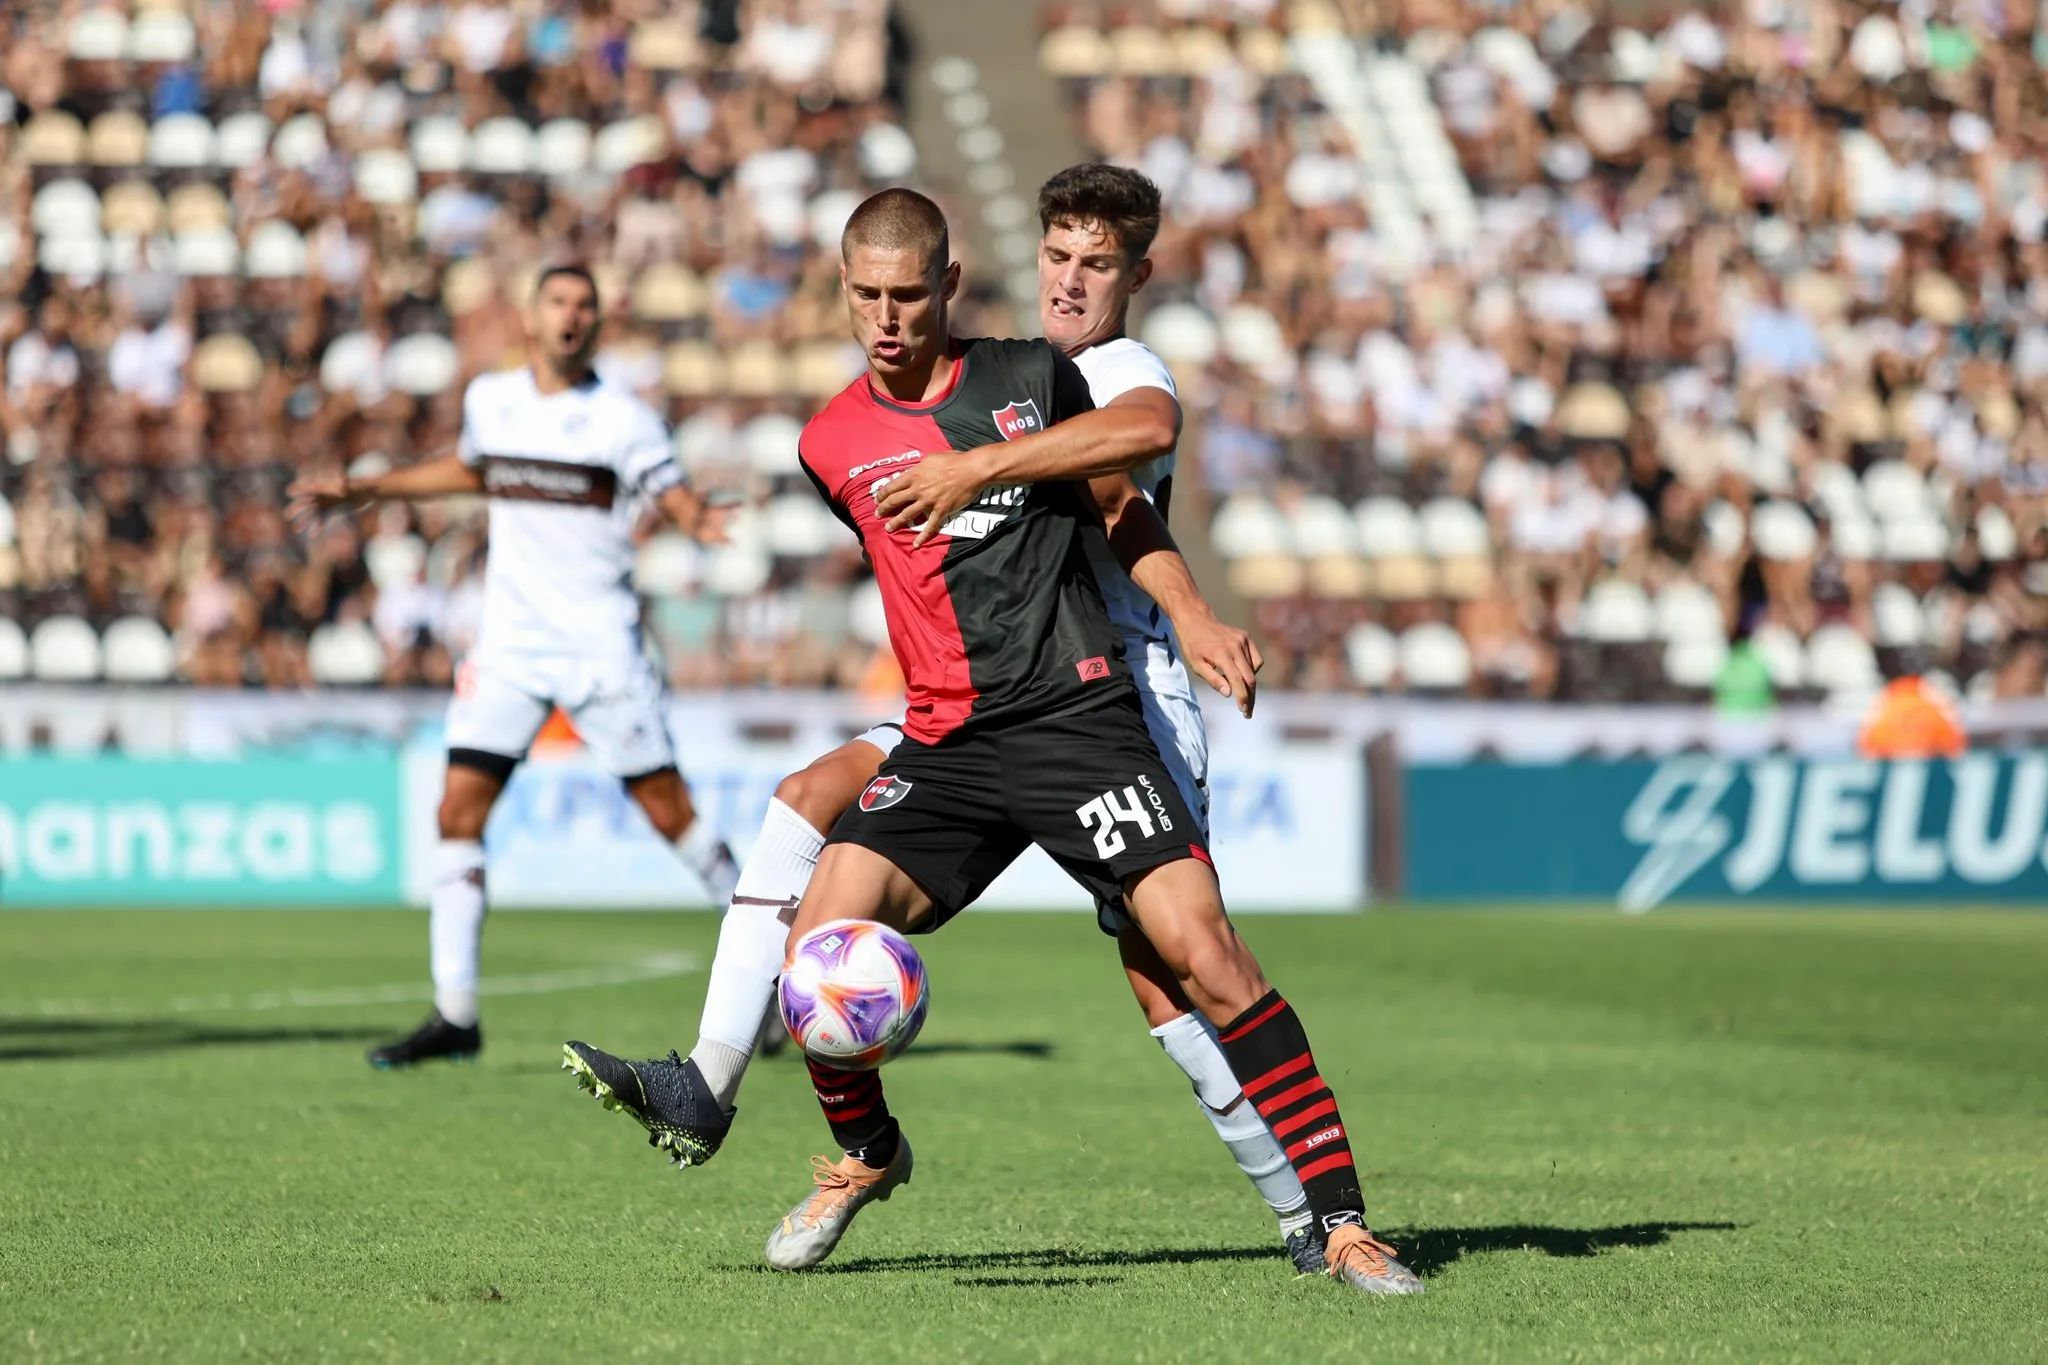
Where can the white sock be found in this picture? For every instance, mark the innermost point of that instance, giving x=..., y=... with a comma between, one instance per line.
x=1191, y=1041
x=455, y=927
x=705, y=854
x=751, y=941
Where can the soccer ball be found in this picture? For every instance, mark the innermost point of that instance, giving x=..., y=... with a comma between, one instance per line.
x=854, y=994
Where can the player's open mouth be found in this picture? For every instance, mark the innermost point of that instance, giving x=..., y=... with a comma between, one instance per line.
x=889, y=349
x=1065, y=308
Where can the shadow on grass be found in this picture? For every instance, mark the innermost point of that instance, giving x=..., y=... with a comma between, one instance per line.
x=35, y=1039
x=1425, y=1250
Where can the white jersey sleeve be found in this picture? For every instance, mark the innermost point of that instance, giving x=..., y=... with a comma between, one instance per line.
x=466, y=448
x=647, y=461
x=1115, y=368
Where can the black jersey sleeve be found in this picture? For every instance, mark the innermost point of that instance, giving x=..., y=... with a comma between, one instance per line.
x=845, y=517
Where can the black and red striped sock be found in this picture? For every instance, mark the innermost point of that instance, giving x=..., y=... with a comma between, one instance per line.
x=860, y=1118
x=1269, y=1054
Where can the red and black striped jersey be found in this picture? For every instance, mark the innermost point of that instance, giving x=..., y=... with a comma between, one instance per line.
x=998, y=618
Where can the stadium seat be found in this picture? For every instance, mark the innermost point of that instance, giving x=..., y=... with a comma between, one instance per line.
x=350, y=361
x=181, y=142
x=241, y=140
x=138, y=650
x=14, y=655
x=78, y=258
x=132, y=208
x=1895, y=491
x=439, y=145
x=1182, y=334
x=160, y=38
x=1995, y=534
x=345, y=654
x=1434, y=659
x=755, y=369
x=1784, y=658
x=394, y=559
x=1453, y=528
x=1917, y=540
x=117, y=138
x=1687, y=610
x=208, y=253
x=867, y=619
x=1839, y=491
x=628, y=143
x=64, y=649
x=422, y=364
x=663, y=45
x=561, y=147
x=1140, y=52
x=226, y=363
x=692, y=369
x=386, y=177
x=1258, y=577
x=886, y=152
x=736, y=570
x=276, y=252
x=1783, y=531
x=1855, y=538
x=1897, y=615
x=65, y=208
x=1248, y=525
x=668, y=292
x=1726, y=527
x=1252, y=337
x=770, y=442
x=800, y=526
x=53, y=138
x=195, y=207
x=300, y=141
x=98, y=35
x=1075, y=52
x=1320, y=526
x=1387, y=529
x=501, y=146
x=1616, y=611
x=1693, y=663
x=1840, y=661
x=667, y=565
x=1372, y=655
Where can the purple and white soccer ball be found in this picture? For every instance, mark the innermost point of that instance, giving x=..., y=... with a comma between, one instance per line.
x=854, y=994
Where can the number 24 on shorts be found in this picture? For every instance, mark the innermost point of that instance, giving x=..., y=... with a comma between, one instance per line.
x=1103, y=814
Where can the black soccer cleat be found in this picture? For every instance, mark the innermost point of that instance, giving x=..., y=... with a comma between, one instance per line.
x=667, y=1095
x=434, y=1040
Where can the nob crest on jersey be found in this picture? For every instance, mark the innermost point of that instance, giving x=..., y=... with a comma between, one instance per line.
x=1018, y=419
x=884, y=792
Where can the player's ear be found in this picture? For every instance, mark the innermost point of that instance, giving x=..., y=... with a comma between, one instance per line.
x=952, y=286
x=1140, y=273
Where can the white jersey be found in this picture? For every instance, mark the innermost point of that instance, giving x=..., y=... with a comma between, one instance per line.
x=567, y=474
x=1112, y=370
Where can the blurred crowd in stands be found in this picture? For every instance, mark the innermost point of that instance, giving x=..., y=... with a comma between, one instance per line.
x=1730, y=323
x=1548, y=349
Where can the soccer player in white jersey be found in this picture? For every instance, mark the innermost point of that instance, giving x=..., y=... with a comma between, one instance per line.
x=569, y=463
x=1098, y=222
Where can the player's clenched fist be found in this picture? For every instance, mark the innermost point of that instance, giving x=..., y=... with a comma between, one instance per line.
x=312, y=496
x=1227, y=658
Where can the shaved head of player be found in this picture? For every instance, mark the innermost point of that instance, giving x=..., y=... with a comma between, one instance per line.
x=561, y=324
x=897, y=271
x=1098, y=222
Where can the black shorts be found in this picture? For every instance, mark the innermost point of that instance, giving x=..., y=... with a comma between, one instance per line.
x=1088, y=788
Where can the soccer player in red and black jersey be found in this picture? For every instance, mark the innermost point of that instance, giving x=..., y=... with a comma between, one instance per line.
x=1023, y=724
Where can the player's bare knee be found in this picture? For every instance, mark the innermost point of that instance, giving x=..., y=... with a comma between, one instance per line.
x=815, y=794
x=666, y=802
x=463, y=813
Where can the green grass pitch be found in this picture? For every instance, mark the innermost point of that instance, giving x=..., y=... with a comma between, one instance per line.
x=1736, y=1135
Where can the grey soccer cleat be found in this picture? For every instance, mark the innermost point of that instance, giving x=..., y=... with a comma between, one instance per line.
x=667, y=1095
x=808, y=1232
x=1304, y=1248
x=1367, y=1264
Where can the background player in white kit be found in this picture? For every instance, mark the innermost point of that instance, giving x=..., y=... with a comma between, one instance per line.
x=569, y=464
x=1098, y=222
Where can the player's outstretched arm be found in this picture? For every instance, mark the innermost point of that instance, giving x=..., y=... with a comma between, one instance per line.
x=1226, y=658
x=1140, y=425
x=312, y=496
x=704, y=522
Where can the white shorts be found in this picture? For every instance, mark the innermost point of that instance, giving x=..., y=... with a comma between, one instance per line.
x=616, y=705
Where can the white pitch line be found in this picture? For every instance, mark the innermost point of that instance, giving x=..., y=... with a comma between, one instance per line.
x=652, y=967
